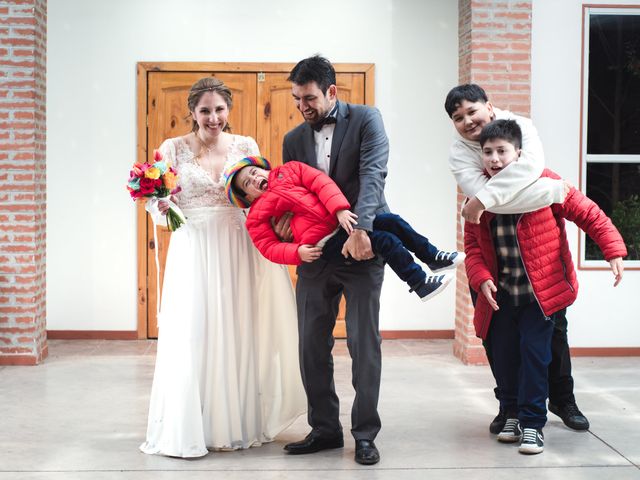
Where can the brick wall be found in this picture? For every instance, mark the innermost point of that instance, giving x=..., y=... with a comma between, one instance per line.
x=23, y=35
x=494, y=48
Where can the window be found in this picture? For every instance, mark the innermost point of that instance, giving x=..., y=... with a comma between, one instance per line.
x=611, y=123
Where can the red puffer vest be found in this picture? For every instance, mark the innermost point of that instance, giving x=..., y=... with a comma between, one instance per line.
x=310, y=195
x=544, y=249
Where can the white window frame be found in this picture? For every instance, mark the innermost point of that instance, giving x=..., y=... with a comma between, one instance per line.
x=586, y=158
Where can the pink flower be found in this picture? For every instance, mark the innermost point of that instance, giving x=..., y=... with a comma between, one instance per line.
x=137, y=170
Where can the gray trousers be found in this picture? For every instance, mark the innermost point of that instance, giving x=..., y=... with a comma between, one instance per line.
x=318, y=293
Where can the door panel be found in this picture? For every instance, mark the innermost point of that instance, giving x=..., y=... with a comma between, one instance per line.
x=263, y=110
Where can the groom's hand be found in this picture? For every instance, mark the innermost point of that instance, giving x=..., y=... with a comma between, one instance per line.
x=282, y=227
x=358, y=245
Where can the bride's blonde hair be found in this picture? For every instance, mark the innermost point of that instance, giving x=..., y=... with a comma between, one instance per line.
x=208, y=84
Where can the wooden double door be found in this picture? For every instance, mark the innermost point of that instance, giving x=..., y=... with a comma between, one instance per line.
x=263, y=108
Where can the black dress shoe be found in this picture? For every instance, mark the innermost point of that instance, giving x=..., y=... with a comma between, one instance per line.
x=570, y=415
x=313, y=443
x=366, y=452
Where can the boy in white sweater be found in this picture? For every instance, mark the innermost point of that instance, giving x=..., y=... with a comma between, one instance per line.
x=518, y=188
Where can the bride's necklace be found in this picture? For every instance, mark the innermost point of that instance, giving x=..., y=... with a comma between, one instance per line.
x=204, y=147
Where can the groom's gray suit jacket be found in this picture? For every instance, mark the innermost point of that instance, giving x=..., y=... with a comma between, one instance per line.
x=359, y=153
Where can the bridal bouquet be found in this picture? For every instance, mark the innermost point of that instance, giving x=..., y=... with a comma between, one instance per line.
x=156, y=181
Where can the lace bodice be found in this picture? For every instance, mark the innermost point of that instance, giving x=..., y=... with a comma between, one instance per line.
x=198, y=188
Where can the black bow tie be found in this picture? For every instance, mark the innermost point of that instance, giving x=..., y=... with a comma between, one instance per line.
x=329, y=119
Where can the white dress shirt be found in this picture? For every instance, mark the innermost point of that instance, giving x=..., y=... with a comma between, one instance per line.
x=323, y=138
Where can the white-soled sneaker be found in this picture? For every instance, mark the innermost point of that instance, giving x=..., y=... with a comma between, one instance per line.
x=446, y=261
x=432, y=286
x=532, y=441
x=511, y=432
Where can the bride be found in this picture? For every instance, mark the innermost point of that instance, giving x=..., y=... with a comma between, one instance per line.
x=227, y=375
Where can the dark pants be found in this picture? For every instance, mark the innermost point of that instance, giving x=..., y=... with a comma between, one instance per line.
x=318, y=292
x=520, y=338
x=392, y=238
x=560, y=379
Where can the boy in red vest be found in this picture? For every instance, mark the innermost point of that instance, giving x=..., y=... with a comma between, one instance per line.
x=319, y=208
x=521, y=267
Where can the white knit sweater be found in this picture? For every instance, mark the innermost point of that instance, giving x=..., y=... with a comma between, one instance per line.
x=516, y=189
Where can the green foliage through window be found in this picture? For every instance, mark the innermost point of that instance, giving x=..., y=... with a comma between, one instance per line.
x=626, y=217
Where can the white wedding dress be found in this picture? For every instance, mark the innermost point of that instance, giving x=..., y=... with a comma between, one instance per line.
x=227, y=374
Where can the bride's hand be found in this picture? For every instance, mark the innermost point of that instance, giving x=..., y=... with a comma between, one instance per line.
x=163, y=206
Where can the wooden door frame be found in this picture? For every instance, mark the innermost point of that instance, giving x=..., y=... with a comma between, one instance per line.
x=142, y=71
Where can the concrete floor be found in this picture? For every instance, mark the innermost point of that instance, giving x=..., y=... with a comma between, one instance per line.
x=82, y=414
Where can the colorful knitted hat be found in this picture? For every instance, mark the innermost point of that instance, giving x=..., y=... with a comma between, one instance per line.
x=229, y=173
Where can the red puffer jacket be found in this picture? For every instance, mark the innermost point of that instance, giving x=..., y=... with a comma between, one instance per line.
x=544, y=250
x=310, y=195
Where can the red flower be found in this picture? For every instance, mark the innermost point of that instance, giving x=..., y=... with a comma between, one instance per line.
x=147, y=186
x=157, y=156
x=135, y=194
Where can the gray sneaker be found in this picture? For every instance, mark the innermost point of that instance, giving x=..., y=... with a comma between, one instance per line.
x=532, y=441
x=511, y=432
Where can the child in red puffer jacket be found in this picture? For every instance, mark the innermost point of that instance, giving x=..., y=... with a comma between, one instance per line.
x=319, y=208
x=521, y=267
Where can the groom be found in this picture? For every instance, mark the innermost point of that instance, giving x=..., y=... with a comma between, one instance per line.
x=348, y=143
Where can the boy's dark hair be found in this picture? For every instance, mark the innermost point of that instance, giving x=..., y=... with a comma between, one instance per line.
x=508, y=130
x=237, y=188
x=314, y=69
x=469, y=92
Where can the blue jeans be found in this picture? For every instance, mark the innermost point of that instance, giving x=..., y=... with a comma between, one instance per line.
x=520, y=339
x=393, y=239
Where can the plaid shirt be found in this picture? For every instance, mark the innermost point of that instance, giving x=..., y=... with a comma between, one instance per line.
x=512, y=276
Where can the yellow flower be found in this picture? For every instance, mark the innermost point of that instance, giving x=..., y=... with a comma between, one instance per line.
x=152, y=173
x=169, y=180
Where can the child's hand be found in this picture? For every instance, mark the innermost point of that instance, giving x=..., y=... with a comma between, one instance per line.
x=617, y=268
x=472, y=210
x=309, y=253
x=347, y=219
x=486, y=288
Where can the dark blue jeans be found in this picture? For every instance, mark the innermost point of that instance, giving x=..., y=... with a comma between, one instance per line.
x=560, y=378
x=393, y=239
x=520, y=339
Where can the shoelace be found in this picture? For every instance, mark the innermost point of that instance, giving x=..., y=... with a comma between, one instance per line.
x=511, y=425
x=434, y=279
x=443, y=255
x=530, y=435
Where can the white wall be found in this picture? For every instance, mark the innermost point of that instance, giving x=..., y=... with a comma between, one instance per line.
x=602, y=316
x=91, y=133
